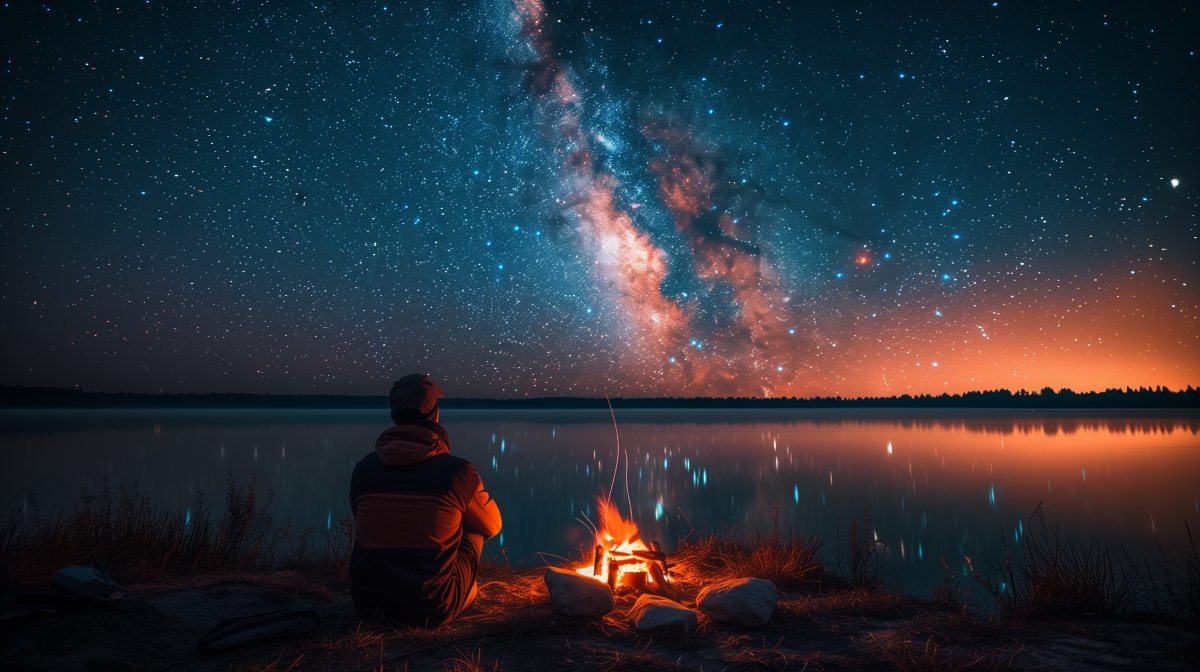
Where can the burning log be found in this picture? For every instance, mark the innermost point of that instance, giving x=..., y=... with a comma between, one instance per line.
x=635, y=581
x=621, y=559
x=598, y=560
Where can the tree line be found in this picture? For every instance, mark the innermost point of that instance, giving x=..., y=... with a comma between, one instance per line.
x=17, y=396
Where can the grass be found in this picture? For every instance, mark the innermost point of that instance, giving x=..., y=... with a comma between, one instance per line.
x=789, y=561
x=1059, y=576
x=135, y=540
x=861, y=560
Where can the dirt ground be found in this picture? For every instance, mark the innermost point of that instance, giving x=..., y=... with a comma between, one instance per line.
x=512, y=627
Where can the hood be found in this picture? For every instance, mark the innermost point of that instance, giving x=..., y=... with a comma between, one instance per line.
x=411, y=443
x=413, y=398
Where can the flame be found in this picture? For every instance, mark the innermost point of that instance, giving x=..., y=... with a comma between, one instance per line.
x=619, y=544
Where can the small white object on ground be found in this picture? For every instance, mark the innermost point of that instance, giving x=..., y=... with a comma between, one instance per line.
x=652, y=611
x=576, y=595
x=747, y=602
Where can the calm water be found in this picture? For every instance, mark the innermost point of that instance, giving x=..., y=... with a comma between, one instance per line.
x=936, y=483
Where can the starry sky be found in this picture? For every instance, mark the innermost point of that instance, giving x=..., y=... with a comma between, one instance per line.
x=531, y=197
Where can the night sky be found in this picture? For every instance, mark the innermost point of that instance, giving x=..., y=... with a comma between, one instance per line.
x=588, y=198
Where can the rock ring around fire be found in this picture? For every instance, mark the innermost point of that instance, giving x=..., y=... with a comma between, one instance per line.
x=652, y=611
x=747, y=602
x=576, y=595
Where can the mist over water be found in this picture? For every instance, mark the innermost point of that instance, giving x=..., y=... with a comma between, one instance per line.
x=936, y=483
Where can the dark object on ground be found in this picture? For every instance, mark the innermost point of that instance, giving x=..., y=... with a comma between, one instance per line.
x=233, y=632
x=92, y=580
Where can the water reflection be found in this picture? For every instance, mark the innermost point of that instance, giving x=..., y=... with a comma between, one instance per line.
x=936, y=484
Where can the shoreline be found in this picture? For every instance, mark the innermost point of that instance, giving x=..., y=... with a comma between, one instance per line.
x=513, y=627
x=1059, y=603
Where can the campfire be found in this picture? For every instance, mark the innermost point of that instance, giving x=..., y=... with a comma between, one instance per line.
x=621, y=559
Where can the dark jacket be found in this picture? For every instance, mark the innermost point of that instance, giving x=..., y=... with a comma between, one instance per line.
x=412, y=501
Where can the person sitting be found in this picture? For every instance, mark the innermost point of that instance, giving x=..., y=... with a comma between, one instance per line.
x=421, y=516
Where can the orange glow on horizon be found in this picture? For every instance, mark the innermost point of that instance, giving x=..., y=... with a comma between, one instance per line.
x=927, y=332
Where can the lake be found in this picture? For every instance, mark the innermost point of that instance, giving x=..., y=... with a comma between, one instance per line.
x=936, y=483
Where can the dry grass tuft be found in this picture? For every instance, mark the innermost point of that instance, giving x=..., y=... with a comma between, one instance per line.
x=470, y=662
x=789, y=562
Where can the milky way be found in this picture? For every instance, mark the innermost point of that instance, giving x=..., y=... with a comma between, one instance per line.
x=606, y=198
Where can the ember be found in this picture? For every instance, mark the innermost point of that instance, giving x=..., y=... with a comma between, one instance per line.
x=621, y=558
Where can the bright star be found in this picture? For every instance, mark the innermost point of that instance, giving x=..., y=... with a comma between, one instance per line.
x=1174, y=183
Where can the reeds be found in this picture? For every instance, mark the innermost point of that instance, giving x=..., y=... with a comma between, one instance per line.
x=860, y=561
x=1058, y=576
x=136, y=540
x=1177, y=590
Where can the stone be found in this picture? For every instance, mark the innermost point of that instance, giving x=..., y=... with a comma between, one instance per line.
x=747, y=602
x=574, y=594
x=652, y=611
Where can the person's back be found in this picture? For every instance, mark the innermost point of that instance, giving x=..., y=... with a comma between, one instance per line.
x=421, y=516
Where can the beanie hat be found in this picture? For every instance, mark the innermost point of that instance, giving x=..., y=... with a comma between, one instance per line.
x=414, y=397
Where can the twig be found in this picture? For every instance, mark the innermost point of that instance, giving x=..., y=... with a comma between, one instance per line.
x=628, y=500
x=543, y=553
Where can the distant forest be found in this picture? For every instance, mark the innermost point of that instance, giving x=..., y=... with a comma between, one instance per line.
x=16, y=396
